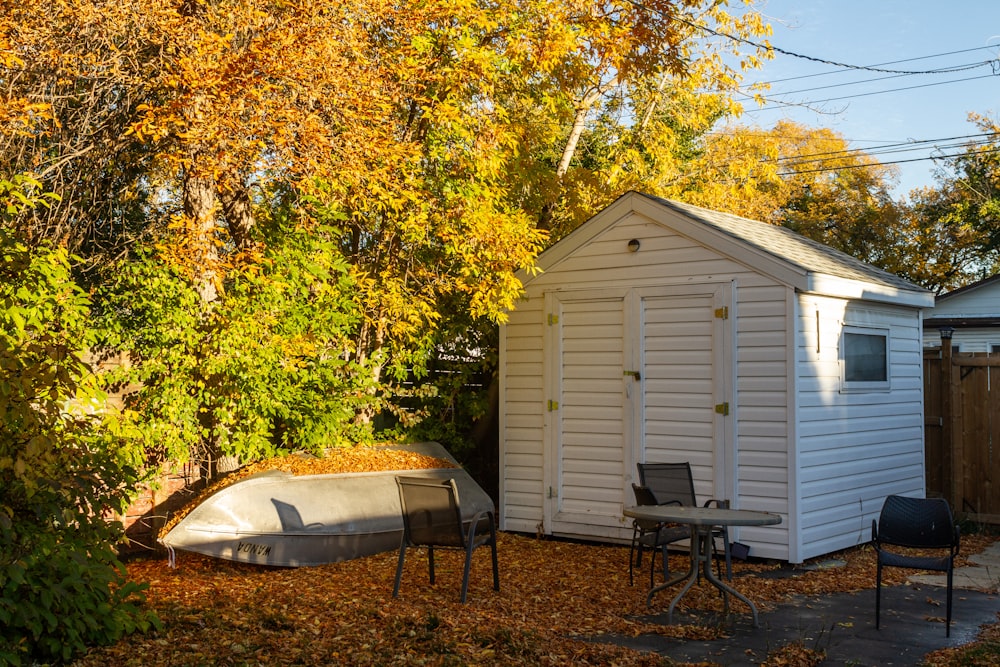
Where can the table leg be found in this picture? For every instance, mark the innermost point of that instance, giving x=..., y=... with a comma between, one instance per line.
x=701, y=555
x=694, y=551
x=721, y=585
x=691, y=576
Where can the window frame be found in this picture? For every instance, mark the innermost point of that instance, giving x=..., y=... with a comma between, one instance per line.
x=859, y=386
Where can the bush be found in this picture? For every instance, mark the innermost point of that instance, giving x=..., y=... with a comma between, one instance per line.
x=267, y=367
x=62, y=587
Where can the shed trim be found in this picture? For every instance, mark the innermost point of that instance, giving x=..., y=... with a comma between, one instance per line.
x=773, y=251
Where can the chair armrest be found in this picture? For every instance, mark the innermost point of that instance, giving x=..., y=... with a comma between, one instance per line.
x=671, y=502
x=474, y=524
x=721, y=504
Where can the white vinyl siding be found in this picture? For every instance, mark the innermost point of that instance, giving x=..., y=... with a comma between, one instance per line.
x=981, y=301
x=521, y=419
x=587, y=429
x=854, y=447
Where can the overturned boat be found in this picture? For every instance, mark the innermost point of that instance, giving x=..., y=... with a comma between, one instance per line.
x=275, y=518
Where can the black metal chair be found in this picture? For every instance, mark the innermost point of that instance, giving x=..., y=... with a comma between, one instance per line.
x=654, y=535
x=673, y=484
x=915, y=523
x=432, y=518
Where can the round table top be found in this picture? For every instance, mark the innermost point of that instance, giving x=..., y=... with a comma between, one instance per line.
x=702, y=516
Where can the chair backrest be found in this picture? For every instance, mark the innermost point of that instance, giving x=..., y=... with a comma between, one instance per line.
x=916, y=522
x=669, y=482
x=643, y=495
x=431, y=512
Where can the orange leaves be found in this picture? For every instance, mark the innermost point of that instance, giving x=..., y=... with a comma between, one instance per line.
x=557, y=601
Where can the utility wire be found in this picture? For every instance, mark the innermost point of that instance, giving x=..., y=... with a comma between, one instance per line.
x=995, y=64
x=891, y=62
x=797, y=137
x=862, y=166
x=902, y=146
x=846, y=83
x=875, y=92
x=795, y=160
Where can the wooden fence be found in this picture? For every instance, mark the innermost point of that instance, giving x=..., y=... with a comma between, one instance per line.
x=962, y=431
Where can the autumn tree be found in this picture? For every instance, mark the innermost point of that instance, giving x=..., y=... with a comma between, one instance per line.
x=617, y=99
x=428, y=141
x=956, y=223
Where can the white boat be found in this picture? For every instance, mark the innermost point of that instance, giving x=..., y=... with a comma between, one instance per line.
x=275, y=518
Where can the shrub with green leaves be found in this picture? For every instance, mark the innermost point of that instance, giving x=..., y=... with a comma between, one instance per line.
x=265, y=368
x=62, y=586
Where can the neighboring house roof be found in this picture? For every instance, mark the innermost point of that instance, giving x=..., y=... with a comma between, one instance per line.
x=975, y=305
x=800, y=262
x=980, y=284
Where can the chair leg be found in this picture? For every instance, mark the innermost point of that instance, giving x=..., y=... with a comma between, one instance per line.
x=465, y=572
x=947, y=626
x=652, y=564
x=729, y=555
x=663, y=561
x=399, y=569
x=493, y=546
x=631, y=554
x=878, y=593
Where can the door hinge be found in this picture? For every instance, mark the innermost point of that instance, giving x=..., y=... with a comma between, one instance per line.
x=553, y=319
x=722, y=313
x=552, y=493
x=722, y=408
x=553, y=406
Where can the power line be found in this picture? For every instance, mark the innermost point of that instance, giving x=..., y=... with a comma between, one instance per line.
x=901, y=146
x=862, y=166
x=891, y=62
x=995, y=64
x=875, y=92
x=847, y=83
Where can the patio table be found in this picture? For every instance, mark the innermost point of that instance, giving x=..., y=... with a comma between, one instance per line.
x=701, y=521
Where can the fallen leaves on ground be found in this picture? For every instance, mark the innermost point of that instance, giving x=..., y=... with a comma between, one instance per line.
x=559, y=603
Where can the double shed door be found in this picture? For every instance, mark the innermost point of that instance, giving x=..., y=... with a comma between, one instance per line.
x=633, y=375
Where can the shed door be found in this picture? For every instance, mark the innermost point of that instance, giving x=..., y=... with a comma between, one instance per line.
x=684, y=361
x=586, y=414
x=601, y=418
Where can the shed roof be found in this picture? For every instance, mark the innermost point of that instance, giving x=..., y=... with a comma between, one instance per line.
x=800, y=262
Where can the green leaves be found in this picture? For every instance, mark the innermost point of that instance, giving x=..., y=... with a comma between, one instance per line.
x=61, y=585
x=268, y=366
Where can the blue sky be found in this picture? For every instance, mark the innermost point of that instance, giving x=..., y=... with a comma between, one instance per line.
x=873, y=113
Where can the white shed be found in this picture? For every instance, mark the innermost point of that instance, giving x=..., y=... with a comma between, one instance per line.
x=787, y=373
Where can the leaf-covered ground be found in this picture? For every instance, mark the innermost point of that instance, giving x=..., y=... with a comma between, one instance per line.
x=555, y=597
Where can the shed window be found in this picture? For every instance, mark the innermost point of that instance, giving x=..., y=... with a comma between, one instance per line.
x=865, y=359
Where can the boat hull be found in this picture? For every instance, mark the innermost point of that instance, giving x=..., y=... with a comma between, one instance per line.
x=285, y=520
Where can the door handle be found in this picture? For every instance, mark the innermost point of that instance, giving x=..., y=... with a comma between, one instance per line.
x=634, y=374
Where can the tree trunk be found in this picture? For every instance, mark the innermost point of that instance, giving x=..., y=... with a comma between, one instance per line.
x=238, y=213
x=200, y=208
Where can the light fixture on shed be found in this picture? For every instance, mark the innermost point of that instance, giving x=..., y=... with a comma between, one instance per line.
x=633, y=245
x=946, y=332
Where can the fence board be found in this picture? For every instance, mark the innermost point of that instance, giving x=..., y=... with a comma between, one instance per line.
x=962, y=423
